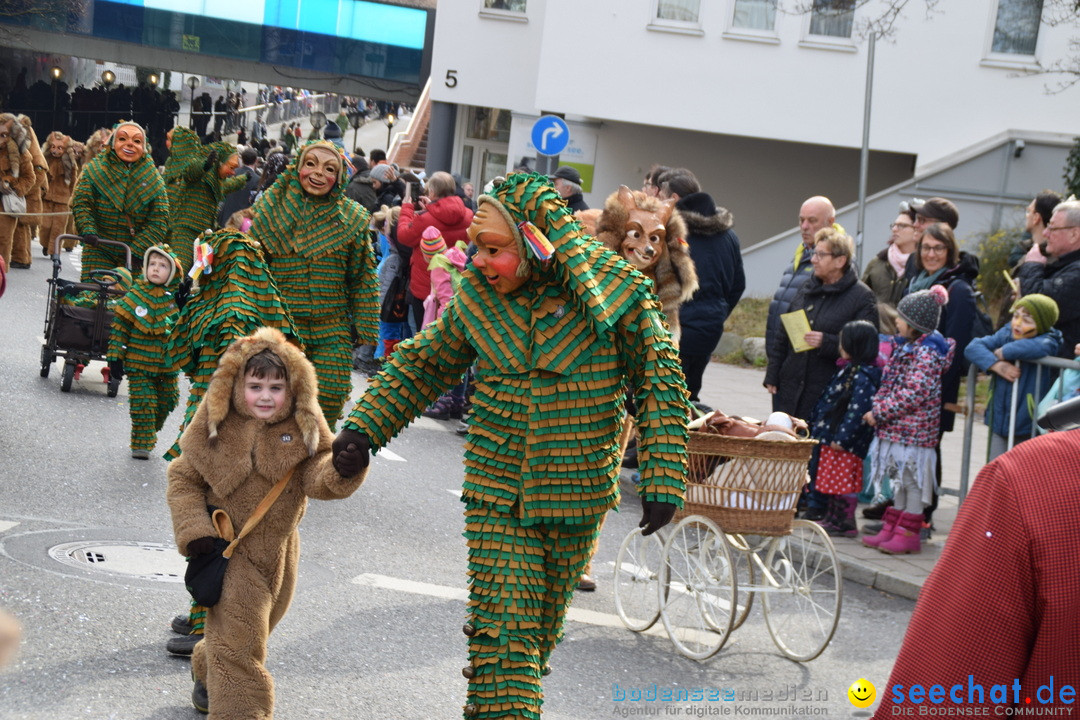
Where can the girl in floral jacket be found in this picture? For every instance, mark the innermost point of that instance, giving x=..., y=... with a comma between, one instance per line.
x=906, y=412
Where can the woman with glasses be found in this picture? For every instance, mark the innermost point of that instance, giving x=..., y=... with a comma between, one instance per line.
x=885, y=273
x=831, y=297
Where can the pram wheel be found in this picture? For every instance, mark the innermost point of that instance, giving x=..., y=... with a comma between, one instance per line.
x=637, y=567
x=113, y=386
x=67, y=377
x=46, y=361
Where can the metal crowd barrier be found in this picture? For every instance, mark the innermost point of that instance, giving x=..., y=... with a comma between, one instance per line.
x=1051, y=365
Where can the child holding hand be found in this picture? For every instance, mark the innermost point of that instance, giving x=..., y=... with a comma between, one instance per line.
x=906, y=411
x=1031, y=335
x=259, y=425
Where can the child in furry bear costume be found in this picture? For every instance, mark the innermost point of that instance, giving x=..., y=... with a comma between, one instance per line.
x=260, y=419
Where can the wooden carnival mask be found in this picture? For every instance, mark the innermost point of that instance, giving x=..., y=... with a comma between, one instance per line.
x=129, y=143
x=645, y=239
x=498, y=256
x=319, y=168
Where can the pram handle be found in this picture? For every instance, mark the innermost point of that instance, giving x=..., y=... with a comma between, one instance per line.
x=59, y=239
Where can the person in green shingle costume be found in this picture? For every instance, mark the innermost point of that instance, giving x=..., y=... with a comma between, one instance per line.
x=317, y=245
x=120, y=196
x=143, y=320
x=198, y=177
x=557, y=325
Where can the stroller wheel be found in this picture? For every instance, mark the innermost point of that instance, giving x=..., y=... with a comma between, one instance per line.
x=67, y=377
x=46, y=361
x=112, y=387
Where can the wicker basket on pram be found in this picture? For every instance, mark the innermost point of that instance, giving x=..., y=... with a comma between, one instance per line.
x=745, y=485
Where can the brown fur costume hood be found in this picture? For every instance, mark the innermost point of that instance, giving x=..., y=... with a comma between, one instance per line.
x=674, y=274
x=226, y=389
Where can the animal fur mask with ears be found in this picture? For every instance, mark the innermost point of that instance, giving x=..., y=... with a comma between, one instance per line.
x=651, y=235
x=227, y=385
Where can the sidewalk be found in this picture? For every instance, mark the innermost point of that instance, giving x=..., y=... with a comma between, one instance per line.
x=738, y=391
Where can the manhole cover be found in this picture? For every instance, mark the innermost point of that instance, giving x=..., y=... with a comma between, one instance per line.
x=149, y=561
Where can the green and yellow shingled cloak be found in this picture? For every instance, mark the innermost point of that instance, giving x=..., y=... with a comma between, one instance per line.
x=320, y=255
x=552, y=361
x=143, y=321
x=89, y=298
x=194, y=193
x=542, y=459
x=121, y=201
x=232, y=301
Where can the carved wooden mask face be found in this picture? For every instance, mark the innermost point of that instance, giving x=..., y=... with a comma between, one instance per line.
x=319, y=170
x=56, y=147
x=497, y=256
x=129, y=143
x=645, y=241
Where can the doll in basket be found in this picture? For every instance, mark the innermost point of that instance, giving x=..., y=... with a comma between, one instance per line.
x=837, y=423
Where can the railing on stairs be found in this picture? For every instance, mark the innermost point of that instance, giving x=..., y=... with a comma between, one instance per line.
x=405, y=145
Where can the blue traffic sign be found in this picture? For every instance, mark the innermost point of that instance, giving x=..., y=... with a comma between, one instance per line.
x=550, y=135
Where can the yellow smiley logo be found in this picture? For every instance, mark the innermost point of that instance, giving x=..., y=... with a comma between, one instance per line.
x=862, y=693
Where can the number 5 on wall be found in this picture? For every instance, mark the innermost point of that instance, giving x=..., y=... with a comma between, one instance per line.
x=451, y=78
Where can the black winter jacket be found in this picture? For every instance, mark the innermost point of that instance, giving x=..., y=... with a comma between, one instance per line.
x=790, y=284
x=800, y=378
x=1059, y=280
x=714, y=248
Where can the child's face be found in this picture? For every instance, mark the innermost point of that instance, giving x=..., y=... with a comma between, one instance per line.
x=902, y=328
x=265, y=396
x=1023, y=325
x=157, y=269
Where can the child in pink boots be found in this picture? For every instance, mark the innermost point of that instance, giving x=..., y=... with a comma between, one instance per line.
x=906, y=412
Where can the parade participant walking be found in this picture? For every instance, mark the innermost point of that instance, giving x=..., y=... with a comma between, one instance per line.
x=120, y=196
x=259, y=425
x=198, y=178
x=316, y=243
x=63, y=174
x=557, y=325
x=138, y=346
x=16, y=178
x=28, y=226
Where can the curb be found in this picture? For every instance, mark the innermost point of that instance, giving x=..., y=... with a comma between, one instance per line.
x=893, y=583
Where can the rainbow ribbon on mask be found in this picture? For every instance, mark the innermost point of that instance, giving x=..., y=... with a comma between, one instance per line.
x=203, y=262
x=535, y=240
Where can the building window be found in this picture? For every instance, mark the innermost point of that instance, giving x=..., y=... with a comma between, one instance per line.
x=755, y=15
x=511, y=5
x=1016, y=29
x=678, y=10
x=833, y=18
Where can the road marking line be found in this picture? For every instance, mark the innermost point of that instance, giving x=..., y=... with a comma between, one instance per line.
x=5, y=525
x=389, y=455
x=589, y=617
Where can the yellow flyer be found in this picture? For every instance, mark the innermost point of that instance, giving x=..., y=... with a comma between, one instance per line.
x=797, y=325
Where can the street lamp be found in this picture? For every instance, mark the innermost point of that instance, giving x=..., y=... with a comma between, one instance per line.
x=355, y=120
x=152, y=79
x=56, y=73
x=107, y=79
x=192, y=82
x=390, y=119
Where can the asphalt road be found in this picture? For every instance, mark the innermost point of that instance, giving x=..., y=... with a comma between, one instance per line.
x=375, y=628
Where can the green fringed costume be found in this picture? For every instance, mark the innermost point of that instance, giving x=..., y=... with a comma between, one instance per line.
x=194, y=193
x=122, y=201
x=143, y=320
x=233, y=300
x=89, y=298
x=552, y=360
x=320, y=255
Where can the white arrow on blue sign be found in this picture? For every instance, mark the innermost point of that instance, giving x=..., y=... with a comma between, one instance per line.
x=550, y=135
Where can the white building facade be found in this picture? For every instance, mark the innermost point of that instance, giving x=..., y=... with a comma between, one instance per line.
x=764, y=104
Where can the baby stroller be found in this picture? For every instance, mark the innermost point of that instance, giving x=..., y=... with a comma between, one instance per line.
x=79, y=334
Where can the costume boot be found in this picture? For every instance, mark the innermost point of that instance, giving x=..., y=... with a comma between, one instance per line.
x=842, y=521
x=889, y=520
x=445, y=408
x=905, y=537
